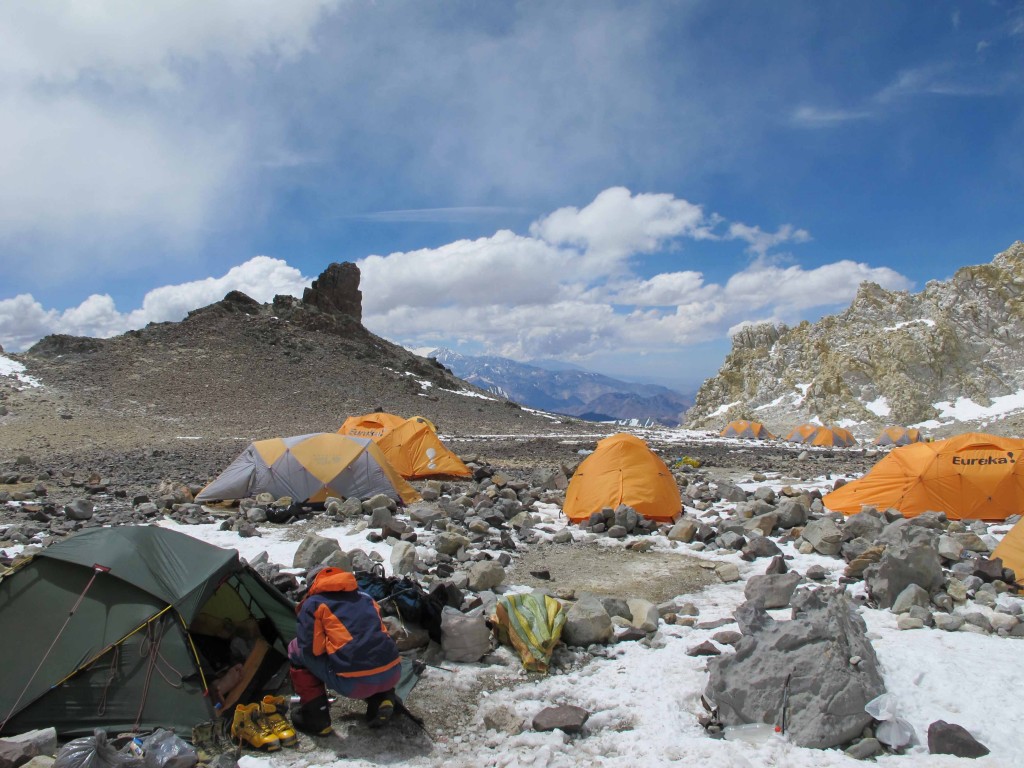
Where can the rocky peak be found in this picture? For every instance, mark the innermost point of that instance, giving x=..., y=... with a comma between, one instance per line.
x=336, y=291
x=892, y=357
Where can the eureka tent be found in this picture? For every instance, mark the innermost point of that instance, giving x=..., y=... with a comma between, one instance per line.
x=748, y=430
x=126, y=628
x=970, y=476
x=813, y=434
x=623, y=470
x=310, y=468
x=414, y=450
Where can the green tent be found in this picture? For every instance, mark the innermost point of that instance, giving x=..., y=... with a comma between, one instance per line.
x=118, y=628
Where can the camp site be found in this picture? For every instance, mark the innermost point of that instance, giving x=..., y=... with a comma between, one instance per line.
x=170, y=629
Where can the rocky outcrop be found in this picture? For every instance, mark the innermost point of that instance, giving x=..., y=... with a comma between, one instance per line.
x=889, y=358
x=336, y=291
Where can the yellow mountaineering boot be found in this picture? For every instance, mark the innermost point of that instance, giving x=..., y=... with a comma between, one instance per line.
x=250, y=727
x=272, y=707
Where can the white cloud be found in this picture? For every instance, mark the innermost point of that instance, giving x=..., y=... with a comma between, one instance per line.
x=808, y=116
x=106, y=130
x=618, y=224
x=23, y=320
x=761, y=242
x=521, y=296
x=127, y=43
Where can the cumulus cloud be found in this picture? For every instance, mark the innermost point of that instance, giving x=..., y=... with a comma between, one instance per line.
x=573, y=288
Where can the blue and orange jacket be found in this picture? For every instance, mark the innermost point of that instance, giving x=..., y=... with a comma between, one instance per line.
x=338, y=620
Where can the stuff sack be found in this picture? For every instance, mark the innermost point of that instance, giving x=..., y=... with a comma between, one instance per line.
x=464, y=637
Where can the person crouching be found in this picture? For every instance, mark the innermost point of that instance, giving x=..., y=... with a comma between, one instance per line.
x=341, y=643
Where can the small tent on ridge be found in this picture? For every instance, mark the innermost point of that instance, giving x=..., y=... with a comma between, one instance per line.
x=310, y=468
x=800, y=434
x=1011, y=551
x=623, y=470
x=748, y=430
x=814, y=434
x=898, y=436
x=414, y=450
x=970, y=476
x=126, y=628
x=372, y=425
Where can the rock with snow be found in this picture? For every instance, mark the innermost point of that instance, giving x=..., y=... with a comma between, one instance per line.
x=827, y=694
x=774, y=591
x=313, y=550
x=566, y=717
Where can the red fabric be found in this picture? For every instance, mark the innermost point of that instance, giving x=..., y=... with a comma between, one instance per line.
x=306, y=685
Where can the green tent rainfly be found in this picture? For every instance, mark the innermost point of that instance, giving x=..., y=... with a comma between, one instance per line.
x=97, y=630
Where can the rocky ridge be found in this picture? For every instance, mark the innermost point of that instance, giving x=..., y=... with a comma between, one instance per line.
x=887, y=359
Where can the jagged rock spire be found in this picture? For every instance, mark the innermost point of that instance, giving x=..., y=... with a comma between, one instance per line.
x=337, y=291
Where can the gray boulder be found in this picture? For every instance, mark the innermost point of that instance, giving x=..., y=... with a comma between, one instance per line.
x=824, y=536
x=587, y=623
x=912, y=595
x=485, y=574
x=644, y=613
x=403, y=558
x=827, y=693
x=952, y=739
x=900, y=567
x=79, y=509
x=567, y=718
x=774, y=591
x=313, y=550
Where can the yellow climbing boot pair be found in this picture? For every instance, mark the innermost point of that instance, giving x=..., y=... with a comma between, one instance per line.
x=261, y=726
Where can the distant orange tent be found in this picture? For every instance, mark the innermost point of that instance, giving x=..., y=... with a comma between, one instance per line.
x=372, y=425
x=898, y=436
x=970, y=476
x=835, y=437
x=414, y=450
x=747, y=430
x=623, y=470
x=800, y=434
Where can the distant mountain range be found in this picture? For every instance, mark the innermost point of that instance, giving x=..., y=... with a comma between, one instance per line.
x=570, y=390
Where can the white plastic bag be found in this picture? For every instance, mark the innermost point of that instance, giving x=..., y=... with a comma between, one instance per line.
x=892, y=730
x=464, y=637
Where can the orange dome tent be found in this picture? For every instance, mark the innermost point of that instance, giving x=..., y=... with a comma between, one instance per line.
x=815, y=434
x=748, y=430
x=898, y=436
x=414, y=450
x=372, y=425
x=623, y=470
x=970, y=476
x=1011, y=551
x=800, y=434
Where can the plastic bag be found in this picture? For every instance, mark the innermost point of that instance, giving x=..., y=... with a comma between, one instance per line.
x=165, y=749
x=464, y=637
x=892, y=730
x=93, y=752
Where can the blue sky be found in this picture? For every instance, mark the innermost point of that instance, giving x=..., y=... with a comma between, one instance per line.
x=614, y=184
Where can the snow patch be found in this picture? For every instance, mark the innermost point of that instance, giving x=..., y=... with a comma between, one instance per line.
x=965, y=409
x=15, y=370
x=723, y=408
x=905, y=323
x=879, y=406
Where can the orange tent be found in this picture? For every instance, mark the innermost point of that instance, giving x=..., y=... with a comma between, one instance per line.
x=372, y=425
x=815, y=434
x=414, y=450
x=898, y=436
x=1011, y=551
x=800, y=434
x=831, y=436
x=623, y=470
x=748, y=430
x=970, y=476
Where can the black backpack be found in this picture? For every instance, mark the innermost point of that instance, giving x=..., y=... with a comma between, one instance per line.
x=404, y=598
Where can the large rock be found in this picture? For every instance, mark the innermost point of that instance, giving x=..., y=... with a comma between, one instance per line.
x=337, y=291
x=827, y=692
x=774, y=591
x=403, y=558
x=952, y=739
x=824, y=536
x=485, y=574
x=313, y=550
x=900, y=567
x=587, y=623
